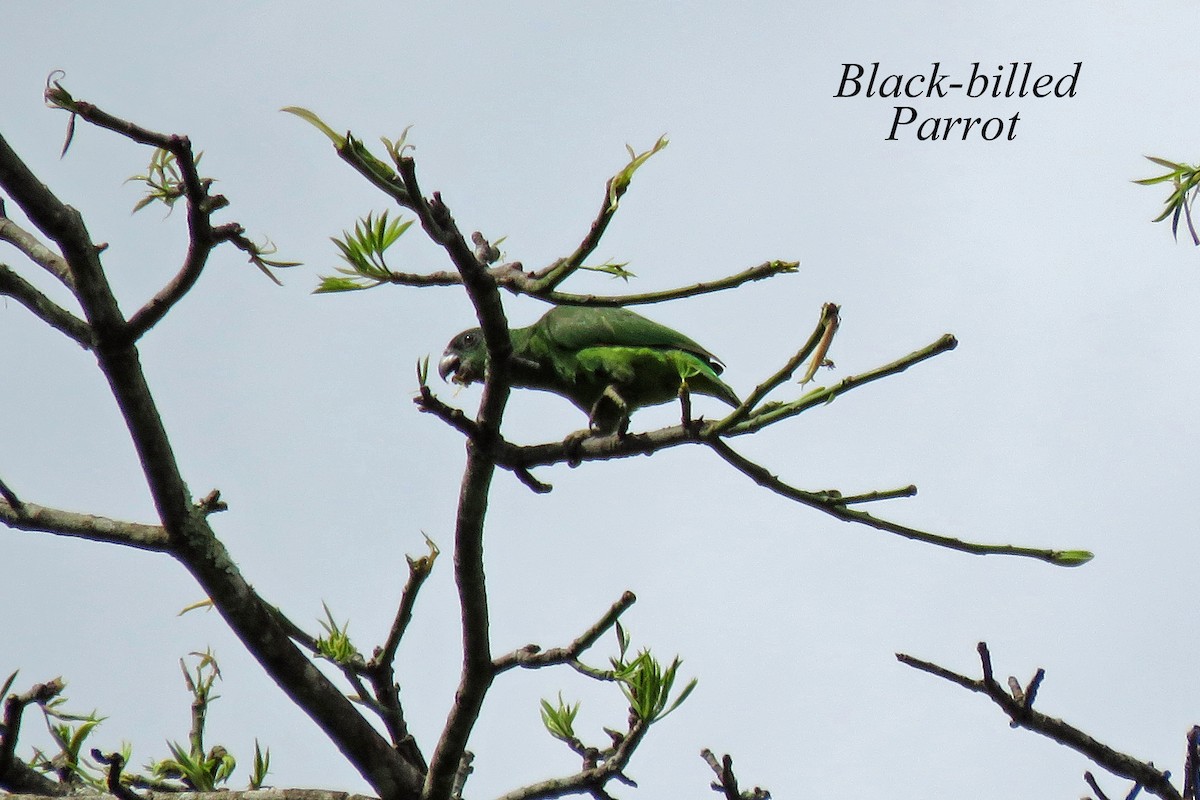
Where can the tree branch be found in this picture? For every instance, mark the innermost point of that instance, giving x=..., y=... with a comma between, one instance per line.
x=774, y=412
x=726, y=782
x=380, y=670
x=201, y=205
x=831, y=503
x=477, y=673
x=11, y=498
x=591, y=779
x=191, y=539
x=512, y=277
x=34, y=250
x=550, y=277
x=829, y=315
x=15, y=775
x=24, y=292
x=521, y=282
x=533, y=657
x=1022, y=714
x=30, y=517
x=115, y=763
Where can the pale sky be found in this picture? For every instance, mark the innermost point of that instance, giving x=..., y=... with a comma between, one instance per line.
x=1064, y=419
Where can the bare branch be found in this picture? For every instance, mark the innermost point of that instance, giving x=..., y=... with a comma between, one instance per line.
x=831, y=504
x=45, y=309
x=11, y=498
x=1022, y=714
x=519, y=281
x=883, y=494
x=419, y=570
x=726, y=783
x=202, y=237
x=512, y=277
x=429, y=403
x=1090, y=780
x=772, y=413
x=614, y=190
x=380, y=670
x=532, y=657
x=37, y=252
x=200, y=246
x=828, y=312
x=63, y=224
x=201, y=204
x=31, y=517
x=440, y=278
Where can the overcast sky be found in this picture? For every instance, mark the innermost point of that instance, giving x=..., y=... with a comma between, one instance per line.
x=1064, y=419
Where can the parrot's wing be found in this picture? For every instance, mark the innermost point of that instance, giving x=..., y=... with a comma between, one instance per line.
x=575, y=328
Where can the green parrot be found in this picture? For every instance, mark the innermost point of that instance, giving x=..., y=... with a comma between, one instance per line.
x=607, y=361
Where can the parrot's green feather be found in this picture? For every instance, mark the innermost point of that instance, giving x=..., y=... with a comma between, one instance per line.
x=607, y=361
x=574, y=328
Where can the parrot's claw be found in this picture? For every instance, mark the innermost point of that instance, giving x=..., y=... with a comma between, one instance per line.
x=572, y=444
x=603, y=425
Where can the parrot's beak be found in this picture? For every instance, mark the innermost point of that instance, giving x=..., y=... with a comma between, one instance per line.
x=448, y=364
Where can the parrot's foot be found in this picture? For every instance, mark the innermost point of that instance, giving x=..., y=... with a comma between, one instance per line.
x=572, y=444
x=601, y=422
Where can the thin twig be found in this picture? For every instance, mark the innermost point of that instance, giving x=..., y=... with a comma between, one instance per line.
x=1090, y=780
x=871, y=497
x=380, y=670
x=460, y=777
x=511, y=277
x=769, y=269
x=833, y=507
x=591, y=779
x=784, y=373
x=11, y=498
x=771, y=414
x=419, y=570
x=115, y=764
x=533, y=657
x=202, y=238
x=550, y=277
x=726, y=782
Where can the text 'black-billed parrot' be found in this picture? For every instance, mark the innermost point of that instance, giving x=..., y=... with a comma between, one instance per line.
x=607, y=361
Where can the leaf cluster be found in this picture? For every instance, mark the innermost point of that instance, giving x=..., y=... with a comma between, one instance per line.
x=163, y=180
x=363, y=251
x=645, y=683
x=336, y=645
x=1185, y=186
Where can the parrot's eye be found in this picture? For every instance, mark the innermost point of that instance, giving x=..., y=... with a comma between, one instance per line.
x=470, y=339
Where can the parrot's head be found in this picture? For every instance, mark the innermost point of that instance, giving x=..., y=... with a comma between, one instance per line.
x=465, y=357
